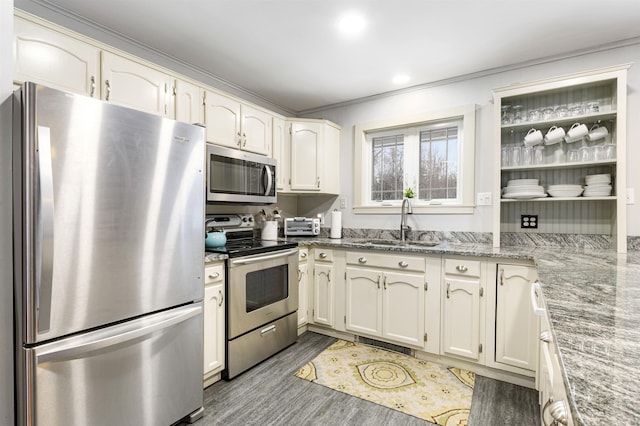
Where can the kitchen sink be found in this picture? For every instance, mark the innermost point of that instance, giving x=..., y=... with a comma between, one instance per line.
x=380, y=242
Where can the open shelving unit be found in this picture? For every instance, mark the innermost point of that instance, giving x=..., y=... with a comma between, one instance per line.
x=604, y=215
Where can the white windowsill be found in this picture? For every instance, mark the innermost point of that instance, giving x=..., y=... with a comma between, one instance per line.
x=424, y=209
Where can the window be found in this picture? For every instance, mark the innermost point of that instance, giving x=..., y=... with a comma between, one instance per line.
x=433, y=154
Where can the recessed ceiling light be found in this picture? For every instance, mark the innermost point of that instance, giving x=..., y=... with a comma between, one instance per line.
x=401, y=79
x=351, y=23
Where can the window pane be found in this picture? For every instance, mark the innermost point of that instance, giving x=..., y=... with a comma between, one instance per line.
x=387, y=168
x=438, y=164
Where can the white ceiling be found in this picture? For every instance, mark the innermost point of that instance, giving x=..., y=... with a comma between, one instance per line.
x=290, y=53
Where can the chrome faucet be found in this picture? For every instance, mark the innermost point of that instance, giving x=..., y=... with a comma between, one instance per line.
x=403, y=219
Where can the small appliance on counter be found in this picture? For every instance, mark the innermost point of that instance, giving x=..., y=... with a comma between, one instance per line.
x=301, y=226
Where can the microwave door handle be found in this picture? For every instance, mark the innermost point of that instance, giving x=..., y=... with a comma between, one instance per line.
x=44, y=230
x=269, y=173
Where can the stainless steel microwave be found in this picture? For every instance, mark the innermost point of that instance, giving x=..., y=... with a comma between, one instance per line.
x=235, y=176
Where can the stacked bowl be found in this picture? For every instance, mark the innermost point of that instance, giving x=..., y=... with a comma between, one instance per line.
x=523, y=188
x=565, y=190
x=598, y=185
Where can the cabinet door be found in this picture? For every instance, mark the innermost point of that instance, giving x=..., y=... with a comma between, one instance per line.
x=323, y=295
x=256, y=130
x=213, y=328
x=281, y=153
x=305, y=144
x=461, y=317
x=516, y=324
x=131, y=84
x=364, y=301
x=403, y=308
x=51, y=58
x=303, y=294
x=188, y=100
x=222, y=118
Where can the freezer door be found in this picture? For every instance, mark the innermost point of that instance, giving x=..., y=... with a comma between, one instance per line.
x=111, y=206
x=142, y=372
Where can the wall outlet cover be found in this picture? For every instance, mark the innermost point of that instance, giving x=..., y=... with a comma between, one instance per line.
x=529, y=221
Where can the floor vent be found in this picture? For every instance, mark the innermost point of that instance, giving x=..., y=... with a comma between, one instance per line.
x=384, y=345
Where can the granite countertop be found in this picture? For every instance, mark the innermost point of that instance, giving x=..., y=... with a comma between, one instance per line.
x=593, y=301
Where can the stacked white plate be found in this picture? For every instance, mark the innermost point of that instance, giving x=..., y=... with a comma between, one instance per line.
x=565, y=190
x=523, y=188
x=598, y=185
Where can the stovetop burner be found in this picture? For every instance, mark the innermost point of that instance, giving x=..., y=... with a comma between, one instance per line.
x=240, y=240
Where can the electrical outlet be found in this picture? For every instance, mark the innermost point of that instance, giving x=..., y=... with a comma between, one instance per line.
x=483, y=199
x=631, y=196
x=343, y=202
x=529, y=221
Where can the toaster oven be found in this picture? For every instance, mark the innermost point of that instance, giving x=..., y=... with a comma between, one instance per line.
x=301, y=226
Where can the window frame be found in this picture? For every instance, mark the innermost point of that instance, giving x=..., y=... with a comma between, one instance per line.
x=362, y=163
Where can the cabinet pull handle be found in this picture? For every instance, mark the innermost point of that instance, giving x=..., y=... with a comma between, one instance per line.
x=108, y=89
x=448, y=288
x=403, y=264
x=214, y=276
x=544, y=410
x=558, y=412
x=378, y=282
x=239, y=139
x=362, y=260
x=244, y=139
x=221, y=297
x=93, y=86
x=537, y=310
x=545, y=336
x=299, y=275
x=462, y=268
x=384, y=282
x=318, y=180
x=501, y=276
x=323, y=255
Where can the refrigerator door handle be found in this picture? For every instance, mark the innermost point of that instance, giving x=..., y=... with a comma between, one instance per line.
x=44, y=230
x=102, y=343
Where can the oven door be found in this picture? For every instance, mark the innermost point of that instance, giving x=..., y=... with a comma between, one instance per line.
x=262, y=288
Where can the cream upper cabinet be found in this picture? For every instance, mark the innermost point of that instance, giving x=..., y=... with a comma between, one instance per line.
x=236, y=125
x=461, y=309
x=280, y=152
x=315, y=149
x=134, y=85
x=54, y=59
x=188, y=101
x=516, y=325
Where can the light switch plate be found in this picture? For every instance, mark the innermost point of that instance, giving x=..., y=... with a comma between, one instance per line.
x=631, y=196
x=483, y=199
x=343, y=202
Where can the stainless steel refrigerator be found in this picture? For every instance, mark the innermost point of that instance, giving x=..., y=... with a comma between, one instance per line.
x=108, y=236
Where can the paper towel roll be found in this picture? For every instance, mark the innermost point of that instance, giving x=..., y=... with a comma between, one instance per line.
x=336, y=224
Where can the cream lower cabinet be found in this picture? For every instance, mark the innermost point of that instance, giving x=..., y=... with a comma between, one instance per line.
x=462, y=313
x=384, y=300
x=214, y=321
x=54, y=59
x=303, y=287
x=516, y=325
x=323, y=287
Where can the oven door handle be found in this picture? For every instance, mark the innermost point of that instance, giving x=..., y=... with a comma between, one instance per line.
x=254, y=259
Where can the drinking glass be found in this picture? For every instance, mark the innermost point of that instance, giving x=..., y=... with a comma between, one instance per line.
x=516, y=156
x=505, y=120
x=505, y=156
x=517, y=114
x=538, y=155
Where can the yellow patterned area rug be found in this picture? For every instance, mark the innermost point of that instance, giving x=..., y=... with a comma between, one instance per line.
x=438, y=394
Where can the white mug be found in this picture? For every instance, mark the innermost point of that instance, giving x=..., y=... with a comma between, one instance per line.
x=533, y=137
x=554, y=135
x=578, y=131
x=596, y=132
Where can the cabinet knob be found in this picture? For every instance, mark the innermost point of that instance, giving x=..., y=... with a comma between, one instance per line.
x=462, y=268
x=545, y=336
x=362, y=260
x=403, y=264
x=323, y=255
x=303, y=255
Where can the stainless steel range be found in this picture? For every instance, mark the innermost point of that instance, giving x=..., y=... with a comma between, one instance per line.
x=262, y=293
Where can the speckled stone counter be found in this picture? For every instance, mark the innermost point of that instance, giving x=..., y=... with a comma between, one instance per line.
x=593, y=301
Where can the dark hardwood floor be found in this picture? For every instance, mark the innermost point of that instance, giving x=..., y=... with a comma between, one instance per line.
x=269, y=394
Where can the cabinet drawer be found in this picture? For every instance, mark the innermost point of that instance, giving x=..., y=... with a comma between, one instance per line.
x=303, y=254
x=214, y=274
x=378, y=260
x=467, y=268
x=323, y=255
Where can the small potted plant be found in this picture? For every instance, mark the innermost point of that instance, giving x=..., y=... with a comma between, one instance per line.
x=408, y=193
